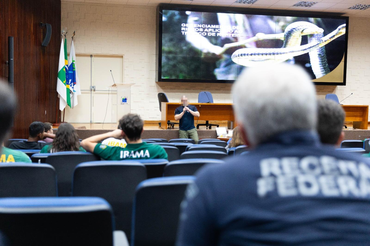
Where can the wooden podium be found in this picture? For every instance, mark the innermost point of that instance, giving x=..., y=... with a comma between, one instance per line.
x=357, y=113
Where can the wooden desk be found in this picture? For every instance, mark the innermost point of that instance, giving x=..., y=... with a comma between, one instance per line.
x=357, y=113
x=208, y=111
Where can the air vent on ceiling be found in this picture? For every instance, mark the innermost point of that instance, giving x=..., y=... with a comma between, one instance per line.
x=360, y=7
x=246, y=1
x=304, y=4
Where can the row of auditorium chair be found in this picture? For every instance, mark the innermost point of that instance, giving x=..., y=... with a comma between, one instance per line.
x=146, y=210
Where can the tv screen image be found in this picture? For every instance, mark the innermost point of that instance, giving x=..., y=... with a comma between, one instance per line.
x=209, y=45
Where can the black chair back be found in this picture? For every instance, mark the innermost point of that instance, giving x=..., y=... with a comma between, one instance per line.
x=240, y=149
x=65, y=164
x=114, y=181
x=209, y=154
x=157, y=210
x=352, y=144
x=173, y=152
x=181, y=140
x=27, y=180
x=206, y=147
x=215, y=142
x=187, y=166
x=56, y=221
x=162, y=97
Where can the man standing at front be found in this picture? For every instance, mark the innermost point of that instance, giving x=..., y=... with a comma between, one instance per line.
x=185, y=114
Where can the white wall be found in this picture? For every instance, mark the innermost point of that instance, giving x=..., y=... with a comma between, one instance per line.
x=131, y=31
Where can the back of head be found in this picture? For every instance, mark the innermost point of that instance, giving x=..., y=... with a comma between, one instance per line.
x=36, y=128
x=66, y=139
x=47, y=126
x=330, y=121
x=132, y=125
x=7, y=109
x=274, y=99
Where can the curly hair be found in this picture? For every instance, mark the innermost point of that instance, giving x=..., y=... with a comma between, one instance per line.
x=66, y=139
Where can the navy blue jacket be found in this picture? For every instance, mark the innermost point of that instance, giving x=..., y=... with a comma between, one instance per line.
x=290, y=190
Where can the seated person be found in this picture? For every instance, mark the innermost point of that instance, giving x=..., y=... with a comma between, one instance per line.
x=7, y=112
x=115, y=142
x=236, y=140
x=132, y=128
x=36, y=134
x=49, y=129
x=330, y=122
x=11, y=155
x=290, y=189
x=66, y=139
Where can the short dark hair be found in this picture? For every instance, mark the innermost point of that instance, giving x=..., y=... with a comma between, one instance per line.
x=47, y=126
x=36, y=128
x=330, y=121
x=8, y=104
x=132, y=125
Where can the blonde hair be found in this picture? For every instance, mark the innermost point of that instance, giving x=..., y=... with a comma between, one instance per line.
x=236, y=139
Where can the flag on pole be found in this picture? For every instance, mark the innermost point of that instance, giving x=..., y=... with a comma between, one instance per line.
x=62, y=88
x=72, y=76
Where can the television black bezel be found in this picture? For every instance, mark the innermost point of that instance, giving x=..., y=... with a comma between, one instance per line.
x=250, y=11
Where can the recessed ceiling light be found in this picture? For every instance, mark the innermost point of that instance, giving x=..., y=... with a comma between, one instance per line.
x=360, y=6
x=246, y=1
x=304, y=4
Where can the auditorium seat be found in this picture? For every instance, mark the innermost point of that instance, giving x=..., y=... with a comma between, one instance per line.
x=208, y=139
x=154, y=167
x=114, y=181
x=7, y=143
x=39, y=157
x=158, y=140
x=187, y=166
x=240, y=149
x=64, y=164
x=203, y=154
x=182, y=146
x=181, y=140
x=27, y=180
x=332, y=97
x=56, y=221
x=162, y=97
x=231, y=151
x=173, y=152
x=215, y=142
x=164, y=143
x=352, y=144
x=352, y=150
x=205, y=147
x=367, y=145
x=29, y=152
x=206, y=97
x=157, y=210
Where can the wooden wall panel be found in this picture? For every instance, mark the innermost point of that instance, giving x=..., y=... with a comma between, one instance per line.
x=35, y=67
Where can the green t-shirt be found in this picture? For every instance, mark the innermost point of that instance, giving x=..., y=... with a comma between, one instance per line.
x=11, y=155
x=131, y=152
x=47, y=149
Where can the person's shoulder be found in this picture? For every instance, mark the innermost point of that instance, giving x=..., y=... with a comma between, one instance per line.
x=45, y=149
x=18, y=155
x=192, y=107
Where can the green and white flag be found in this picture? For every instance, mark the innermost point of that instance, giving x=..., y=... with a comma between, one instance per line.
x=72, y=76
x=62, y=85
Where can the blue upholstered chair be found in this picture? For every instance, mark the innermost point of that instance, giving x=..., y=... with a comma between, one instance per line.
x=206, y=147
x=154, y=167
x=157, y=210
x=27, y=180
x=209, y=154
x=215, y=142
x=64, y=164
x=333, y=97
x=114, y=181
x=187, y=166
x=56, y=221
x=352, y=144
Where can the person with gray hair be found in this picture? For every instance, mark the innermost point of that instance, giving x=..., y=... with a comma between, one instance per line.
x=289, y=189
x=330, y=122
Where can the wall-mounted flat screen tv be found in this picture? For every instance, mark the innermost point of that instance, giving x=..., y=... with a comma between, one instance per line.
x=214, y=44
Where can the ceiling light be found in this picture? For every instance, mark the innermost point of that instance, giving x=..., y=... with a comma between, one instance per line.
x=360, y=6
x=304, y=4
x=246, y=1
